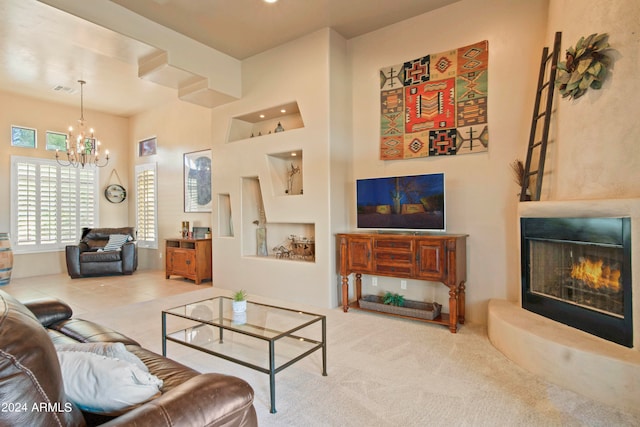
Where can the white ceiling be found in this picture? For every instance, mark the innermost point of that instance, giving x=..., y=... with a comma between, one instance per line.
x=242, y=28
x=42, y=47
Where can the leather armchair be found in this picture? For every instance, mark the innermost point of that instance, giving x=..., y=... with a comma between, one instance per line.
x=88, y=259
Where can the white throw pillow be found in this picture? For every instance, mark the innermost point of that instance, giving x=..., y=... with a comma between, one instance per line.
x=114, y=350
x=116, y=241
x=104, y=385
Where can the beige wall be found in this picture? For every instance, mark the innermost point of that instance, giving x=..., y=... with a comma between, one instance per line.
x=43, y=116
x=180, y=128
x=297, y=71
x=595, y=151
x=481, y=196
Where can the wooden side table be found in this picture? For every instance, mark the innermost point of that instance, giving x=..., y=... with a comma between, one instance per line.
x=189, y=258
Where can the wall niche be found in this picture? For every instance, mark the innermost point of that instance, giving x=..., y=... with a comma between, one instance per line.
x=280, y=118
x=285, y=170
x=225, y=224
x=293, y=241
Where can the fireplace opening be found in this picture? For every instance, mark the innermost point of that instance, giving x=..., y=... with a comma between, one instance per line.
x=578, y=271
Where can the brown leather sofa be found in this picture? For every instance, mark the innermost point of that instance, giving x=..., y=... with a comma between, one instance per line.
x=89, y=259
x=32, y=390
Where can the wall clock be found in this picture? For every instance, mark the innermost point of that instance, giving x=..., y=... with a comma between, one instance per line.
x=115, y=193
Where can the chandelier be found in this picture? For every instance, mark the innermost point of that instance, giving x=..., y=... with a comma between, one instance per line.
x=82, y=146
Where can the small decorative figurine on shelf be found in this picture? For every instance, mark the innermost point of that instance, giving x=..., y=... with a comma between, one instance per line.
x=279, y=128
x=293, y=171
x=295, y=247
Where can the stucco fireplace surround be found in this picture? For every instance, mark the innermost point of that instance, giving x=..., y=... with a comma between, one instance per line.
x=577, y=360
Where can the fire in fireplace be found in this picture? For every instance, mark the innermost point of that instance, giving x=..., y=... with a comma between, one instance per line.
x=578, y=271
x=597, y=275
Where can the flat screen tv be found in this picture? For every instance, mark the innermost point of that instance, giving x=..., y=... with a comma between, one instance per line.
x=414, y=202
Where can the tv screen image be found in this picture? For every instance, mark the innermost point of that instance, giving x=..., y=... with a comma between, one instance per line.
x=413, y=202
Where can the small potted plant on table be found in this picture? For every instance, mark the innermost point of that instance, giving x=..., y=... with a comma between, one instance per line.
x=240, y=301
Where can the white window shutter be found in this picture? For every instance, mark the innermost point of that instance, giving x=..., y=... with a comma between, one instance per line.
x=50, y=203
x=146, y=205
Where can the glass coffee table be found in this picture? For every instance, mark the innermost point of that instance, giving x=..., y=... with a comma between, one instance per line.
x=265, y=337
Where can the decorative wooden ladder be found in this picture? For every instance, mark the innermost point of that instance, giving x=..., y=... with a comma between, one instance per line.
x=549, y=62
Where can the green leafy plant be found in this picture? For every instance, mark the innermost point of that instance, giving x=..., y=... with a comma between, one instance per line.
x=393, y=299
x=240, y=295
x=585, y=67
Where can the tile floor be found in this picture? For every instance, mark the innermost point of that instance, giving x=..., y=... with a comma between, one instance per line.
x=91, y=294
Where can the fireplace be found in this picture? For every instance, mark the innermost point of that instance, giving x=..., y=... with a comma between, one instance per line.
x=577, y=271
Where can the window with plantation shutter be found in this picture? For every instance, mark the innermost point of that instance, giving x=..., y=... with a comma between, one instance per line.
x=50, y=204
x=146, y=205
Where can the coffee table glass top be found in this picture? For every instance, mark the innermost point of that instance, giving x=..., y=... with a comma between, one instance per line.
x=264, y=337
x=260, y=320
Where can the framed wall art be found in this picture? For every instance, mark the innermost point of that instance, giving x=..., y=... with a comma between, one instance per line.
x=148, y=147
x=23, y=137
x=197, y=181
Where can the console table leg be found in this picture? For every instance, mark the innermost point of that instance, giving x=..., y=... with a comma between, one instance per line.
x=461, y=302
x=358, y=287
x=453, y=309
x=345, y=293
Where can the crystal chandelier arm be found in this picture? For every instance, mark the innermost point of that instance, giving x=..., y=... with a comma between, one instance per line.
x=86, y=149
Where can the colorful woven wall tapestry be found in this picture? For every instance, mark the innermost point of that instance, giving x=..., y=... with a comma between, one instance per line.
x=435, y=105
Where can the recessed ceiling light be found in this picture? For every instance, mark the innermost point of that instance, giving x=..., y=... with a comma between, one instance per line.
x=270, y=1
x=294, y=154
x=262, y=116
x=283, y=111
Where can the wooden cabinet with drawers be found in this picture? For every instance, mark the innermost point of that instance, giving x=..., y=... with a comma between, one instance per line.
x=189, y=258
x=431, y=257
x=393, y=257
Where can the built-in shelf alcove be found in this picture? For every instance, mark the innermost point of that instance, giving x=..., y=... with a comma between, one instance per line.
x=286, y=173
x=288, y=241
x=250, y=213
x=284, y=117
x=225, y=221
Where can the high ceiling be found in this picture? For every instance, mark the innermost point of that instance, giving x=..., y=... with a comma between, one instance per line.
x=242, y=28
x=42, y=47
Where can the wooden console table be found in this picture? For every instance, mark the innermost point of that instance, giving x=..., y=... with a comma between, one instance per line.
x=189, y=258
x=430, y=257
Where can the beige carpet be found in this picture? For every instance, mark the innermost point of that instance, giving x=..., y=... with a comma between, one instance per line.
x=386, y=372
